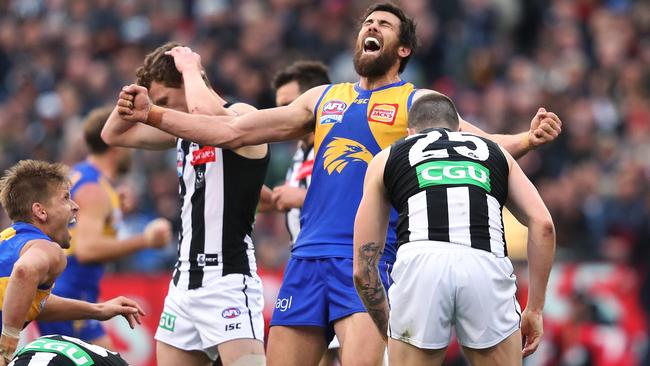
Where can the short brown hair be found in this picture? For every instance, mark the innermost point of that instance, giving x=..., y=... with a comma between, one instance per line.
x=308, y=74
x=27, y=182
x=160, y=68
x=93, y=125
x=433, y=110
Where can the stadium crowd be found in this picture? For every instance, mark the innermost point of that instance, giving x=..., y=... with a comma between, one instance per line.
x=498, y=60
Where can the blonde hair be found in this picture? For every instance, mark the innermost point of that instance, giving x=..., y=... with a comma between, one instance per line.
x=28, y=182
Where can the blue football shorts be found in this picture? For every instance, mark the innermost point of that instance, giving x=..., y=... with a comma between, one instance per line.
x=320, y=291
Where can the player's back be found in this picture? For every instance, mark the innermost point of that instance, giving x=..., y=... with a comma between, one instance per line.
x=449, y=187
x=65, y=351
x=81, y=280
x=12, y=241
x=352, y=125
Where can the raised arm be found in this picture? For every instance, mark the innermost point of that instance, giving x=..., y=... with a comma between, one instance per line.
x=527, y=206
x=544, y=128
x=267, y=125
x=40, y=262
x=370, y=227
x=120, y=132
x=198, y=95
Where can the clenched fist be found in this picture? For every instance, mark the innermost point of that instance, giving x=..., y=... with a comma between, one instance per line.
x=158, y=233
x=133, y=104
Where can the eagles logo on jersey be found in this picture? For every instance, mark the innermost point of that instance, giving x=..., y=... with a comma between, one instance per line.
x=342, y=151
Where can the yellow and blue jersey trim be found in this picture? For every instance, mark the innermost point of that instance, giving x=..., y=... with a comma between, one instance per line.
x=12, y=241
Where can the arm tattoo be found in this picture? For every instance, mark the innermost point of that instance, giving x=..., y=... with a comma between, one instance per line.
x=370, y=288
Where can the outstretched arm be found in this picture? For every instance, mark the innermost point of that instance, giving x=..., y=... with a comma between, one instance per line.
x=370, y=227
x=527, y=206
x=267, y=125
x=120, y=132
x=544, y=128
x=60, y=308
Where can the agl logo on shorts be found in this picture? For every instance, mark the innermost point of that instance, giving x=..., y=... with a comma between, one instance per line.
x=284, y=304
x=453, y=172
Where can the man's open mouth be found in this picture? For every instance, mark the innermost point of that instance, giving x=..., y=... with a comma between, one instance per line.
x=371, y=44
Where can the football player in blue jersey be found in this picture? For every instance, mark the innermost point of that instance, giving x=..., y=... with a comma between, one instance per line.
x=36, y=197
x=351, y=122
x=94, y=236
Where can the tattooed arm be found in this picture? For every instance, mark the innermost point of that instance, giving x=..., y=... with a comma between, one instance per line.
x=369, y=285
x=370, y=228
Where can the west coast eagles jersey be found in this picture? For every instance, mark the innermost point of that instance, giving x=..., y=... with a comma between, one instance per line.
x=352, y=125
x=12, y=241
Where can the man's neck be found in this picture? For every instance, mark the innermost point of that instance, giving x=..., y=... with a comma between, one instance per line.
x=370, y=83
x=104, y=165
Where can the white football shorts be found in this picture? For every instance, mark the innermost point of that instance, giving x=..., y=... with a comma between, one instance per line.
x=439, y=285
x=199, y=320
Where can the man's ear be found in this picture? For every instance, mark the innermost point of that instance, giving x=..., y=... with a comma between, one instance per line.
x=38, y=211
x=403, y=51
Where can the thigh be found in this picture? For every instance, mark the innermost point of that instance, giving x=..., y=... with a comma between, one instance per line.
x=229, y=308
x=361, y=343
x=176, y=327
x=302, y=298
x=167, y=355
x=295, y=346
x=236, y=352
x=421, y=299
x=402, y=353
x=487, y=311
x=507, y=352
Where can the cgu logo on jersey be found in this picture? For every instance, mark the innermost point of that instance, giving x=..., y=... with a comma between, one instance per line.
x=383, y=113
x=71, y=351
x=341, y=151
x=435, y=173
x=204, y=155
x=332, y=112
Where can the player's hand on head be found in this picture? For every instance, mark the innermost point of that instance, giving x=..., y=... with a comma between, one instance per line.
x=123, y=306
x=133, y=104
x=544, y=128
x=185, y=59
x=158, y=233
x=532, y=330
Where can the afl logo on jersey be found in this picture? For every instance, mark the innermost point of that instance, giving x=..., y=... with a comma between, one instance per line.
x=230, y=313
x=332, y=112
x=383, y=113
